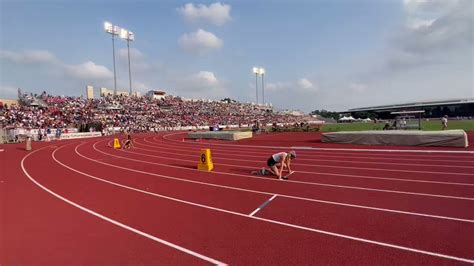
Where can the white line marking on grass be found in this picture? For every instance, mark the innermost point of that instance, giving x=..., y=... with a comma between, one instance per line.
x=119, y=224
x=283, y=223
x=270, y=193
x=292, y=181
x=327, y=149
x=263, y=205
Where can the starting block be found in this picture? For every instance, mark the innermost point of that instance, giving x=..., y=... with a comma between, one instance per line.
x=205, y=161
x=116, y=143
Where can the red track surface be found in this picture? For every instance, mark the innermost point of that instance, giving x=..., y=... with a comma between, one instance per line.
x=82, y=202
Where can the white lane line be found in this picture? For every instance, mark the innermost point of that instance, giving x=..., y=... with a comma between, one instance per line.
x=333, y=174
x=119, y=224
x=278, y=222
x=359, y=168
x=224, y=158
x=168, y=147
x=329, y=149
x=271, y=193
x=309, y=153
x=292, y=181
x=243, y=153
x=263, y=205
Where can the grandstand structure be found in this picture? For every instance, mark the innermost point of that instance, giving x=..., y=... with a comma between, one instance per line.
x=156, y=94
x=451, y=108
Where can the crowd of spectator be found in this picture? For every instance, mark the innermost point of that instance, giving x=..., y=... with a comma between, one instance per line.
x=133, y=113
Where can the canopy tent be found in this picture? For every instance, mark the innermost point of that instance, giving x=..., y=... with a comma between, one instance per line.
x=346, y=118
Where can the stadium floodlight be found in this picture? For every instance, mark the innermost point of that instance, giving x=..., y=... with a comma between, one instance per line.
x=262, y=72
x=256, y=71
x=114, y=31
x=128, y=36
x=123, y=33
x=108, y=27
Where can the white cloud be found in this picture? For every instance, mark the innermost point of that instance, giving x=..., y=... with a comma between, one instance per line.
x=28, y=56
x=206, y=78
x=429, y=6
x=216, y=13
x=305, y=84
x=277, y=86
x=200, y=42
x=85, y=71
x=301, y=86
x=88, y=71
x=419, y=24
x=203, y=84
x=437, y=25
x=435, y=32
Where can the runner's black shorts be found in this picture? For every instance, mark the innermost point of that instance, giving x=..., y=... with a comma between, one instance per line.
x=271, y=162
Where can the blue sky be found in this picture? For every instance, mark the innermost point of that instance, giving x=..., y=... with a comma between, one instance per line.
x=317, y=54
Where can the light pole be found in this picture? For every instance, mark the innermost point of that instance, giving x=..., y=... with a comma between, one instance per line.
x=114, y=31
x=129, y=37
x=256, y=71
x=262, y=72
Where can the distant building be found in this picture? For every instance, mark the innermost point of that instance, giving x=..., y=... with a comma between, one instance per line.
x=90, y=92
x=293, y=112
x=452, y=108
x=156, y=94
x=106, y=92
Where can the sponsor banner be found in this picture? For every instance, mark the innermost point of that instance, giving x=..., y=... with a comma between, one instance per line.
x=80, y=135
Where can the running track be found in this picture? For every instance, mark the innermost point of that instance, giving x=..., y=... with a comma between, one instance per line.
x=82, y=202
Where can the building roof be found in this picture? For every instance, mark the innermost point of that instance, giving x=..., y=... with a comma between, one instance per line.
x=412, y=105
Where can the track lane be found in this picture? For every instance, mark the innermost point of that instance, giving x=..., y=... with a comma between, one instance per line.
x=400, y=202
x=94, y=240
x=270, y=240
x=383, y=227
x=444, y=153
x=465, y=190
x=234, y=200
x=441, y=236
x=308, y=176
x=338, y=168
x=348, y=160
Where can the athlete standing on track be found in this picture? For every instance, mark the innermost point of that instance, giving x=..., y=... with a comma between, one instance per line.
x=282, y=160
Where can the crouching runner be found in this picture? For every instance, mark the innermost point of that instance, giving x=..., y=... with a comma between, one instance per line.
x=128, y=141
x=280, y=162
